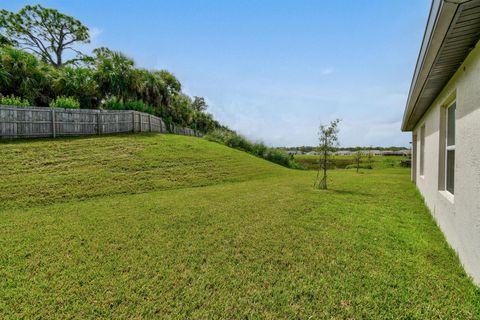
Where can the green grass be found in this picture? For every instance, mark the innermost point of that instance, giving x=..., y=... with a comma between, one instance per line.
x=41, y=172
x=165, y=226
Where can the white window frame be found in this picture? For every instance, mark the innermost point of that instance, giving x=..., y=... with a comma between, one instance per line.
x=449, y=148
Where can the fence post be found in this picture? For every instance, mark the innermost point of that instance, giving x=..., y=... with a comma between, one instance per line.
x=140, y=121
x=133, y=121
x=150, y=122
x=54, y=132
x=99, y=123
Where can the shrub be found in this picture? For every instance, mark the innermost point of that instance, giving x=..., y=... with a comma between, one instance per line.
x=65, y=102
x=236, y=141
x=390, y=163
x=150, y=109
x=216, y=135
x=14, y=101
x=406, y=163
x=137, y=105
x=259, y=149
x=113, y=104
x=277, y=156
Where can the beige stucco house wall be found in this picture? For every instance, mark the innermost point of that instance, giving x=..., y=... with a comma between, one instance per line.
x=457, y=215
x=458, y=212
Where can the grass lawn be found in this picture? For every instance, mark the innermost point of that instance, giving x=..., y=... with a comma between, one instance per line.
x=163, y=226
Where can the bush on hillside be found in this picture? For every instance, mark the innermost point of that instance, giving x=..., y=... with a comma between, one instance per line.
x=113, y=104
x=236, y=141
x=65, y=102
x=139, y=105
x=259, y=149
x=281, y=158
x=136, y=105
x=14, y=101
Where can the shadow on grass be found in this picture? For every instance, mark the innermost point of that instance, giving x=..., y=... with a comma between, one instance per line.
x=351, y=192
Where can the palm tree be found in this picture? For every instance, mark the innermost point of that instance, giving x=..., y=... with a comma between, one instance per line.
x=114, y=73
x=77, y=82
x=22, y=72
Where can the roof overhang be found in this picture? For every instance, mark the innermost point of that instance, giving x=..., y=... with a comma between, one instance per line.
x=453, y=29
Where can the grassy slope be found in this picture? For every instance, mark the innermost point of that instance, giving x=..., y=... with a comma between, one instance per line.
x=255, y=241
x=40, y=172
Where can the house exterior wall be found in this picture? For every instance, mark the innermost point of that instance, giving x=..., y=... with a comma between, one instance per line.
x=458, y=216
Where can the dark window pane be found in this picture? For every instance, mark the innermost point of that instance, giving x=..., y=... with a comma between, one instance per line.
x=451, y=126
x=422, y=150
x=451, y=171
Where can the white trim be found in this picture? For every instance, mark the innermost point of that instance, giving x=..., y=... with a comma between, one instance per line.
x=450, y=197
x=449, y=147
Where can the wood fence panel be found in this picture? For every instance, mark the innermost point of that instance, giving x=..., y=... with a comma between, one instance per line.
x=36, y=122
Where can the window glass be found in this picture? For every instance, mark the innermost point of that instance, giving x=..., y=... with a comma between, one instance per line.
x=451, y=171
x=450, y=150
x=422, y=150
x=451, y=125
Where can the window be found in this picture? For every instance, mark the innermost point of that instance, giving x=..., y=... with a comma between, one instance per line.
x=414, y=157
x=422, y=149
x=450, y=150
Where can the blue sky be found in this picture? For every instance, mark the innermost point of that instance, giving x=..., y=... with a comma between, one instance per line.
x=274, y=70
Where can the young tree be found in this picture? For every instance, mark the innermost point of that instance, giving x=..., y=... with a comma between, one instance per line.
x=45, y=32
x=328, y=138
x=357, y=157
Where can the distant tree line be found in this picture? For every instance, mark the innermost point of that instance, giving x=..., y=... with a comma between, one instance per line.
x=34, y=70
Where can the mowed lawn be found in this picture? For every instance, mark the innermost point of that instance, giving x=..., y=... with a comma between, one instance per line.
x=163, y=226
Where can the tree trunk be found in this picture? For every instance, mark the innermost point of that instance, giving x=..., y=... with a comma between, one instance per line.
x=323, y=183
x=317, y=183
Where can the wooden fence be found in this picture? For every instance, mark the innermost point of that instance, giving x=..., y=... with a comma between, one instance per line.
x=37, y=122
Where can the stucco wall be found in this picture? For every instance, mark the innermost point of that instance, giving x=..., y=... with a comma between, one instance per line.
x=457, y=216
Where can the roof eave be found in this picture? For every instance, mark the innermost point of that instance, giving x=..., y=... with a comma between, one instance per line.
x=441, y=15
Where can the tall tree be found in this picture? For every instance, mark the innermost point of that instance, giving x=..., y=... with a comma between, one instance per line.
x=45, y=32
x=328, y=140
x=199, y=104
